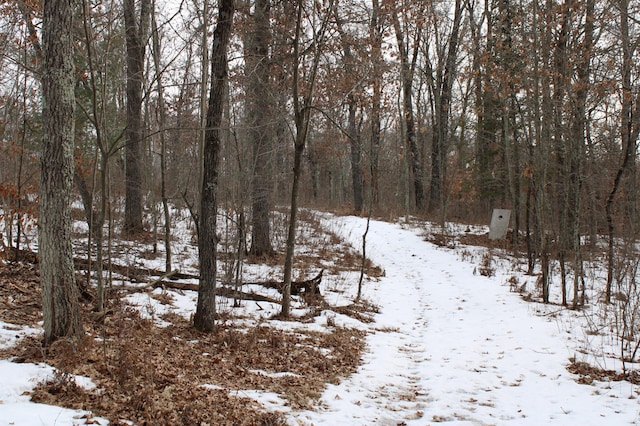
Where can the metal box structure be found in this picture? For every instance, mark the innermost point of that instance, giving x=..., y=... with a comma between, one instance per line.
x=499, y=224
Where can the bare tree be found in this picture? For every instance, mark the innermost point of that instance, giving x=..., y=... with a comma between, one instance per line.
x=261, y=131
x=408, y=59
x=136, y=29
x=303, y=95
x=59, y=290
x=352, y=131
x=441, y=81
x=204, y=319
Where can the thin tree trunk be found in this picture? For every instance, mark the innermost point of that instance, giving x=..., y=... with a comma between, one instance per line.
x=302, y=116
x=356, y=167
x=376, y=31
x=561, y=86
x=163, y=144
x=443, y=93
x=630, y=127
x=204, y=319
x=204, y=84
x=543, y=116
x=578, y=139
x=407, y=68
x=352, y=127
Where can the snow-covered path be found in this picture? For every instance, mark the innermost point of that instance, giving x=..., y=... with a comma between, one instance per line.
x=451, y=346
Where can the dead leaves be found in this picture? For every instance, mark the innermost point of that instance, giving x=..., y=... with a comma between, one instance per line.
x=587, y=374
x=175, y=375
x=20, y=300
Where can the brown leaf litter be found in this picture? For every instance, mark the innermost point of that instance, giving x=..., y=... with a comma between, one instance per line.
x=152, y=375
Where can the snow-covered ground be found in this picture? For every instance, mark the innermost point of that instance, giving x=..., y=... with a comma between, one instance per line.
x=449, y=345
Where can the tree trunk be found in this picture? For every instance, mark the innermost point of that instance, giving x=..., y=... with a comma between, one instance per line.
x=376, y=31
x=293, y=218
x=560, y=134
x=629, y=127
x=163, y=144
x=407, y=67
x=442, y=94
x=356, y=167
x=487, y=159
x=136, y=33
x=577, y=145
x=204, y=319
x=302, y=115
x=59, y=290
x=261, y=132
x=86, y=197
x=352, y=126
x=104, y=152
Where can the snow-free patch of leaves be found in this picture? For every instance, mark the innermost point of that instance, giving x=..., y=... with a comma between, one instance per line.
x=587, y=374
x=20, y=301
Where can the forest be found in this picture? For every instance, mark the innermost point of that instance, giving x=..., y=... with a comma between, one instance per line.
x=148, y=120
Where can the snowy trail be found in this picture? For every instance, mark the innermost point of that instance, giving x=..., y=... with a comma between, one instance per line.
x=450, y=346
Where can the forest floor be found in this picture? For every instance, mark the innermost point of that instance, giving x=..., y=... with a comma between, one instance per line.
x=449, y=330
x=141, y=361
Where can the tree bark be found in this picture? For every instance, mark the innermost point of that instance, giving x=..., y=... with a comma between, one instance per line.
x=136, y=32
x=302, y=115
x=59, y=290
x=204, y=319
x=442, y=94
x=407, y=67
x=162, y=113
x=261, y=132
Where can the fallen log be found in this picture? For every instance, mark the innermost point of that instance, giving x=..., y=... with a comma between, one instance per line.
x=220, y=290
x=308, y=288
x=134, y=273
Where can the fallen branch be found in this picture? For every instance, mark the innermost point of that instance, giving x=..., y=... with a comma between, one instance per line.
x=159, y=280
x=134, y=273
x=220, y=290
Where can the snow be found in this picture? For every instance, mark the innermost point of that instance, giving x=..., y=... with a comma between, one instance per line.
x=451, y=346
x=448, y=345
x=15, y=405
